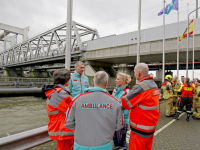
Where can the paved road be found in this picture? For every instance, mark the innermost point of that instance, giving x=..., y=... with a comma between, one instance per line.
x=180, y=135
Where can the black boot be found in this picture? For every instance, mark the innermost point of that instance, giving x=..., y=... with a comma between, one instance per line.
x=188, y=118
x=176, y=116
x=195, y=118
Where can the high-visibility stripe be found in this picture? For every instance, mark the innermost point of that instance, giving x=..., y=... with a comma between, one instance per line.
x=127, y=101
x=179, y=111
x=148, y=108
x=53, y=112
x=144, y=86
x=142, y=126
x=60, y=133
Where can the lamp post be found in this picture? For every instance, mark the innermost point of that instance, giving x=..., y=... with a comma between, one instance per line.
x=178, y=41
x=68, y=35
x=197, y=8
x=188, y=41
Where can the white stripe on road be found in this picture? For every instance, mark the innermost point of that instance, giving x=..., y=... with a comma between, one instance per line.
x=158, y=131
x=165, y=126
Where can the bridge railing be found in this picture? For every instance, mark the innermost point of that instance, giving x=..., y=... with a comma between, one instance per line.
x=25, y=80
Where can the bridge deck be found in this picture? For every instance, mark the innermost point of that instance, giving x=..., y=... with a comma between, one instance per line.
x=177, y=136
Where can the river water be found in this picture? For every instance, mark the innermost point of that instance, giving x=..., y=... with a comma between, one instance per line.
x=19, y=114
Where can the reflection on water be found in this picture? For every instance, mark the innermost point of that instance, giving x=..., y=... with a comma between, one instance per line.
x=21, y=113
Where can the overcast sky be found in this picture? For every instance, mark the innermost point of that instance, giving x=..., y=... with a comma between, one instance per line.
x=107, y=16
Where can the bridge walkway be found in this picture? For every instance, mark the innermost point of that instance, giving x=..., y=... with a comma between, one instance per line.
x=179, y=135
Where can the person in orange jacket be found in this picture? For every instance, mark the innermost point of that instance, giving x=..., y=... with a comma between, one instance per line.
x=57, y=103
x=143, y=101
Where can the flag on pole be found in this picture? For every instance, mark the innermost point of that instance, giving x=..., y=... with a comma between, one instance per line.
x=175, y=5
x=172, y=6
x=185, y=32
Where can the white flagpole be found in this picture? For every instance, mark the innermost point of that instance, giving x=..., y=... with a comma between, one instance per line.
x=193, y=51
x=178, y=41
x=139, y=32
x=187, y=57
x=163, y=66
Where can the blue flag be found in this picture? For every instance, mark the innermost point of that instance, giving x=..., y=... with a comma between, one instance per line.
x=173, y=5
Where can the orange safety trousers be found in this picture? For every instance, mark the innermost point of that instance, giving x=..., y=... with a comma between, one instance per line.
x=137, y=142
x=65, y=144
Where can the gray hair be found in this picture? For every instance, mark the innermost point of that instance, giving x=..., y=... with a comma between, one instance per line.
x=61, y=76
x=100, y=78
x=142, y=68
x=78, y=63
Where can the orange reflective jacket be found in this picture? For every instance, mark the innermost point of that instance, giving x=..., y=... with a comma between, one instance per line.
x=143, y=100
x=58, y=101
x=187, y=90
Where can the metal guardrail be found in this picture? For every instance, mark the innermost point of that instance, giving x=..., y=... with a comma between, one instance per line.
x=25, y=140
x=28, y=139
x=12, y=92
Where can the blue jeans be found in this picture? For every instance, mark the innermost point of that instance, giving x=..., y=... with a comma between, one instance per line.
x=120, y=137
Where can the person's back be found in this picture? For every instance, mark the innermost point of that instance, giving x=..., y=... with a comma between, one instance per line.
x=95, y=115
x=57, y=103
x=143, y=101
x=186, y=91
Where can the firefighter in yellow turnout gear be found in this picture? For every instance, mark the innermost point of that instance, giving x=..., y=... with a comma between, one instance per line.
x=196, y=102
x=176, y=85
x=167, y=92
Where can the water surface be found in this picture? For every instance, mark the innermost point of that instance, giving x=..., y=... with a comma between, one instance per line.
x=21, y=113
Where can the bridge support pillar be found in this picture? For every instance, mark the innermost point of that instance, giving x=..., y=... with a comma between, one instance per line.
x=45, y=74
x=12, y=73
x=125, y=69
x=159, y=74
x=130, y=71
x=5, y=73
x=35, y=74
x=39, y=74
x=92, y=67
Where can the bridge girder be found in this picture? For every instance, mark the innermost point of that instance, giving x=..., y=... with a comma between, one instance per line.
x=48, y=44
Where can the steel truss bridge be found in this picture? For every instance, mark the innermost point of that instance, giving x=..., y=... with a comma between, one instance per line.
x=48, y=46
